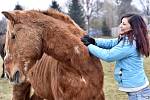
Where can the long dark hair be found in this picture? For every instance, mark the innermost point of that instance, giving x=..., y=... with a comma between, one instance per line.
x=139, y=33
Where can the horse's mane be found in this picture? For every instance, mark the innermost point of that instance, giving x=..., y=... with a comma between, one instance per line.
x=59, y=15
x=49, y=13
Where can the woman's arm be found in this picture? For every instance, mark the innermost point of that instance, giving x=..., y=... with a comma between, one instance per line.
x=106, y=43
x=120, y=51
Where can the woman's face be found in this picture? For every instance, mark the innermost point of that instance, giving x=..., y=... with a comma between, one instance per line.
x=124, y=26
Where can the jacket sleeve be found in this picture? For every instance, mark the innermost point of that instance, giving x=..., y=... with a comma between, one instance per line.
x=106, y=43
x=118, y=52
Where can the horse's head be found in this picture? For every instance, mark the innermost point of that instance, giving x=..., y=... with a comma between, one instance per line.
x=23, y=46
x=31, y=33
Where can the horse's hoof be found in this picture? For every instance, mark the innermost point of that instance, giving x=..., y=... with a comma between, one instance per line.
x=3, y=76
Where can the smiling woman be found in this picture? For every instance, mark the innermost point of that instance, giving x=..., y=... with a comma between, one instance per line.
x=128, y=51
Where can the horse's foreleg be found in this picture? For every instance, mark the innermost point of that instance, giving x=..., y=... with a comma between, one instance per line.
x=3, y=72
x=21, y=92
x=35, y=97
x=2, y=53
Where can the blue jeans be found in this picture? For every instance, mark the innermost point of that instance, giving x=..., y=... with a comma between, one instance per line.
x=143, y=94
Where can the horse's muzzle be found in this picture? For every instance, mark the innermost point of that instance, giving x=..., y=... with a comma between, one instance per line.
x=15, y=78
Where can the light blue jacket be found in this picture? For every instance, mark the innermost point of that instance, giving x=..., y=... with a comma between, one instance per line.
x=129, y=71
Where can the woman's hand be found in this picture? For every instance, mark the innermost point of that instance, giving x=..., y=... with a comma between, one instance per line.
x=86, y=39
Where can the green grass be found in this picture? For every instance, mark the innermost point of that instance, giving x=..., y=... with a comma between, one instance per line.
x=5, y=87
x=110, y=87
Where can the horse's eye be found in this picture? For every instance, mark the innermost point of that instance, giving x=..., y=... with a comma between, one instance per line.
x=13, y=36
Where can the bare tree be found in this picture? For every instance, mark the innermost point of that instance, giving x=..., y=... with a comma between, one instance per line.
x=118, y=2
x=91, y=7
x=146, y=8
x=124, y=7
x=108, y=15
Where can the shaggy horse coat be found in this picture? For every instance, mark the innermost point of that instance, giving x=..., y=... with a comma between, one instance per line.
x=77, y=75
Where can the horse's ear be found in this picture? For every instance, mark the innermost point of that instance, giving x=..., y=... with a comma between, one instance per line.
x=9, y=15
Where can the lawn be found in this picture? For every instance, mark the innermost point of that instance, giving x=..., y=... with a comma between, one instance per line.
x=110, y=87
x=5, y=87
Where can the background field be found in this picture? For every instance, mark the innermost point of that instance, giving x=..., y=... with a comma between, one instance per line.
x=110, y=87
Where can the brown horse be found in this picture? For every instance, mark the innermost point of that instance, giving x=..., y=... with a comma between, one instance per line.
x=77, y=75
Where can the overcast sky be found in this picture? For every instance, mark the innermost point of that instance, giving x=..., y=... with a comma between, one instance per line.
x=28, y=4
x=6, y=5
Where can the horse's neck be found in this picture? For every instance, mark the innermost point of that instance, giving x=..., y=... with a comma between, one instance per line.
x=59, y=39
x=63, y=46
x=56, y=45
